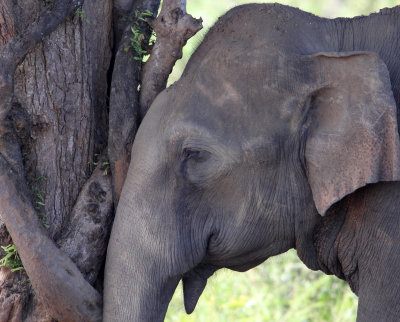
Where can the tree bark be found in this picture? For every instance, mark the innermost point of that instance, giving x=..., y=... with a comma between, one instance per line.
x=173, y=27
x=65, y=80
x=59, y=111
x=61, y=88
x=124, y=94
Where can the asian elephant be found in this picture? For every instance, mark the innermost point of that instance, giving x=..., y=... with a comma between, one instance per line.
x=282, y=133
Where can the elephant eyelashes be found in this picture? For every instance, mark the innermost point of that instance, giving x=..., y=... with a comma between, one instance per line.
x=195, y=155
x=194, y=166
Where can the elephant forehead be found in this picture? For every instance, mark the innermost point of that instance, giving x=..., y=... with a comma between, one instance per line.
x=254, y=89
x=228, y=110
x=226, y=92
x=231, y=105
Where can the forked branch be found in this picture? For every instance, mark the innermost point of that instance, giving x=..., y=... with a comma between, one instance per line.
x=173, y=28
x=124, y=101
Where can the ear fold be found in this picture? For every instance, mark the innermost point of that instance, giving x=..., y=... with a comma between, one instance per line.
x=352, y=137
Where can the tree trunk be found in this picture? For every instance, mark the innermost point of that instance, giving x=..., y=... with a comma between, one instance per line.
x=60, y=114
x=69, y=95
x=60, y=90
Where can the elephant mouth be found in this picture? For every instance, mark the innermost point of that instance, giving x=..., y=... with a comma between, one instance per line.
x=194, y=283
x=195, y=280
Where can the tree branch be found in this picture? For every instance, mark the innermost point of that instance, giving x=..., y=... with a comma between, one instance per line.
x=84, y=238
x=124, y=102
x=55, y=278
x=65, y=293
x=121, y=10
x=49, y=18
x=173, y=27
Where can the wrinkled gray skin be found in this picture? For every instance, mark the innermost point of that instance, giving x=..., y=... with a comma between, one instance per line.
x=282, y=133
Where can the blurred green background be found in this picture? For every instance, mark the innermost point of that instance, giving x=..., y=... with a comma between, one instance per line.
x=282, y=289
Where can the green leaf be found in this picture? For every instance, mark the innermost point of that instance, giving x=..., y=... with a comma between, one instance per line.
x=11, y=258
x=17, y=269
x=147, y=13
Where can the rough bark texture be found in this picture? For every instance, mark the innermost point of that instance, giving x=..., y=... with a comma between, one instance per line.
x=14, y=288
x=124, y=98
x=56, y=280
x=65, y=79
x=7, y=30
x=121, y=11
x=173, y=27
x=84, y=238
x=61, y=99
x=61, y=87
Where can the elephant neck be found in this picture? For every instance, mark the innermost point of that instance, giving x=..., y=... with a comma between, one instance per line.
x=335, y=241
x=358, y=239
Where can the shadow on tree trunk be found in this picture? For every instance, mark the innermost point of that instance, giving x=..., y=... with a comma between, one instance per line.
x=69, y=90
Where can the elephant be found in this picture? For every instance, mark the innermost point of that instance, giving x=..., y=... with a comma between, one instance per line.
x=281, y=133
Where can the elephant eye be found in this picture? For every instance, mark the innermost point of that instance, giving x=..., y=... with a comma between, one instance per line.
x=199, y=165
x=195, y=155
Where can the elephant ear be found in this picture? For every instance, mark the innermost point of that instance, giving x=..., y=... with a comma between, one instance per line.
x=352, y=137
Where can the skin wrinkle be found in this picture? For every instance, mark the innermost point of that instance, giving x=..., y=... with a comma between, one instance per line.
x=246, y=238
x=263, y=205
x=256, y=257
x=352, y=243
x=188, y=208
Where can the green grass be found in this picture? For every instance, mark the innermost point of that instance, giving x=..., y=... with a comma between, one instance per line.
x=282, y=289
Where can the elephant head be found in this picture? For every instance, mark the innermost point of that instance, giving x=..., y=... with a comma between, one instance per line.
x=237, y=161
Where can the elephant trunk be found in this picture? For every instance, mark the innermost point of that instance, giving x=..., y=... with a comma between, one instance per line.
x=141, y=271
x=151, y=247
x=136, y=285
x=146, y=260
x=136, y=296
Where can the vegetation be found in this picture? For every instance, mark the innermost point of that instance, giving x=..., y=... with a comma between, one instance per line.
x=11, y=258
x=139, y=34
x=81, y=14
x=39, y=196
